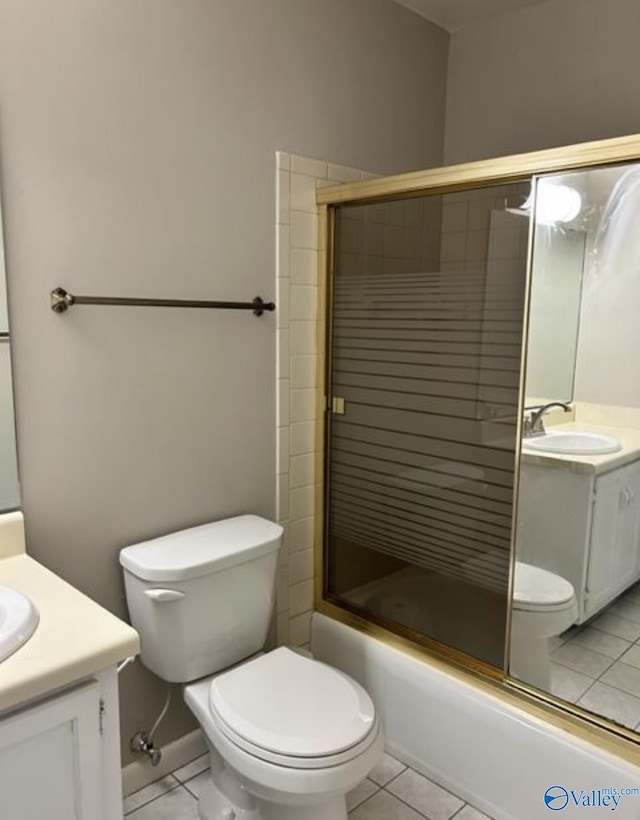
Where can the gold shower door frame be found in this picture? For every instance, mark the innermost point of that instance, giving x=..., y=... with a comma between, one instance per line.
x=450, y=179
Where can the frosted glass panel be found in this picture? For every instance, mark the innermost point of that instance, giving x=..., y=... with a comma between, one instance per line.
x=428, y=303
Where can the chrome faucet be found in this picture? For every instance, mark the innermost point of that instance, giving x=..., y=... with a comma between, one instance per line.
x=533, y=425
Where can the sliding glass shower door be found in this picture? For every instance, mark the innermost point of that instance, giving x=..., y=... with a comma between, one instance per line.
x=427, y=305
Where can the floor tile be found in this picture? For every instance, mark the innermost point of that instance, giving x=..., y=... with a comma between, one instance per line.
x=628, y=608
x=632, y=656
x=386, y=770
x=581, y=659
x=614, y=625
x=175, y=805
x=469, y=813
x=195, y=783
x=612, y=703
x=601, y=642
x=425, y=796
x=384, y=806
x=151, y=792
x=361, y=793
x=568, y=684
x=624, y=677
x=192, y=769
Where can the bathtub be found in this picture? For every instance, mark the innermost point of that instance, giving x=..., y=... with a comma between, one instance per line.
x=491, y=753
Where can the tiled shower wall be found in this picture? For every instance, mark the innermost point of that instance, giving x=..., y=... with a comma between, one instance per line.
x=297, y=252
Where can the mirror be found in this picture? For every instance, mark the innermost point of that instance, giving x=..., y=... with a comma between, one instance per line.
x=575, y=626
x=554, y=309
x=9, y=485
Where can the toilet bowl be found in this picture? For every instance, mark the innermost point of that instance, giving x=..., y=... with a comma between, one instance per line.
x=288, y=736
x=310, y=736
x=544, y=605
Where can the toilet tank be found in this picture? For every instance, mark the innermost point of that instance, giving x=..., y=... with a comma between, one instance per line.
x=202, y=598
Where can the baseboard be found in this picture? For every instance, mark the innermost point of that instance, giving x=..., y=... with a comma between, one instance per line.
x=140, y=773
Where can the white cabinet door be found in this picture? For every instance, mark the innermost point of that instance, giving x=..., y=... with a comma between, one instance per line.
x=50, y=759
x=614, y=554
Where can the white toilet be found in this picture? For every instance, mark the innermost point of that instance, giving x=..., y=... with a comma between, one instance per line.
x=544, y=605
x=288, y=736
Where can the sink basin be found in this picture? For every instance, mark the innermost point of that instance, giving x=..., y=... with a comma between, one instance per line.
x=573, y=443
x=18, y=620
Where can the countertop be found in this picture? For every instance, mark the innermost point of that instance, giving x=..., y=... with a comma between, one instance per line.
x=594, y=464
x=74, y=639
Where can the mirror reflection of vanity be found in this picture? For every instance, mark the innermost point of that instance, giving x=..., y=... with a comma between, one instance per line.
x=578, y=512
x=9, y=484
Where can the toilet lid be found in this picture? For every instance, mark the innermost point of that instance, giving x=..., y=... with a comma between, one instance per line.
x=292, y=705
x=538, y=588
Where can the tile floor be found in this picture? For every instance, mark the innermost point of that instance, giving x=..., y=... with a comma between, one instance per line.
x=598, y=666
x=391, y=792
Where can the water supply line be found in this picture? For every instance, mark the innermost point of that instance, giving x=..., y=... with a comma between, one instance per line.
x=122, y=666
x=142, y=741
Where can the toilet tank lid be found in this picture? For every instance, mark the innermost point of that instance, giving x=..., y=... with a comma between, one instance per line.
x=201, y=550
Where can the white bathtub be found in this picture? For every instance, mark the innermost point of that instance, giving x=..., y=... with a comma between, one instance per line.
x=484, y=749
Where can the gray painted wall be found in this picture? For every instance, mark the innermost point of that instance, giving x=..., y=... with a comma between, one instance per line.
x=556, y=73
x=137, y=149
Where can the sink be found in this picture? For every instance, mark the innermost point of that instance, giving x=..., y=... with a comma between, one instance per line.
x=573, y=443
x=18, y=620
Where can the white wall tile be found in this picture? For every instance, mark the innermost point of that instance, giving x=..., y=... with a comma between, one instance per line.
x=341, y=173
x=283, y=450
x=311, y=167
x=282, y=595
x=303, y=337
x=454, y=216
x=284, y=402
x=284, y=354
x=303, y=372
x=301, y=534
x=302, y=470
x=301, y=502
x=454, y=246
x=297, y=244
x=303, y=405
x=283, y=497
x=282, y=629
x=303, y=302
x=282, y=306
x=300, y=597
x=283, y=251
x=303, y=193
x=304, y=230
x=301, y=566
x=283, y=196
x=304, y=266
x=302, y=437
x=300, y=629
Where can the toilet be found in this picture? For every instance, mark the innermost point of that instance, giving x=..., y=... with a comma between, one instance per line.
x=544, y=605
x=288, y=736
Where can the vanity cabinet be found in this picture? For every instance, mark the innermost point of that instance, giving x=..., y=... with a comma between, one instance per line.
x=582, y=526
x=58, y=759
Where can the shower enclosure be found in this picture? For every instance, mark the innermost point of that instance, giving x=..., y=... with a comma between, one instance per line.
x=427, y=307
x=440, y=285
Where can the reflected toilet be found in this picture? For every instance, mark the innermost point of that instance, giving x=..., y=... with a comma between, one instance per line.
x=544, y=605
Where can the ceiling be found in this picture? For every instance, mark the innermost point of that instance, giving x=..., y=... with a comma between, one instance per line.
x=453, y=14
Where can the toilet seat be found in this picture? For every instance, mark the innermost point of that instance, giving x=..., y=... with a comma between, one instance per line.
x=538, y=590
x=293, y=711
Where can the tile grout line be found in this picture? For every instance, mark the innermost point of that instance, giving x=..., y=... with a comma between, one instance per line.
x=158, y=796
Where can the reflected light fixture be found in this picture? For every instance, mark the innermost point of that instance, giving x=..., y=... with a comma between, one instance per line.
x=554, y=203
